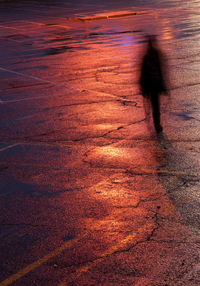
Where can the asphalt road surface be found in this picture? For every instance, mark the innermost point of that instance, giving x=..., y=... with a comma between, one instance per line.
x=89, y=194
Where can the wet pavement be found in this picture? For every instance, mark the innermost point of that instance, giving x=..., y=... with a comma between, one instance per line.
x=90, y=195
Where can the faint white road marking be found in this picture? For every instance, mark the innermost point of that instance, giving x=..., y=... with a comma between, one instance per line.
x=28, y=98
x=41, y=261
x=49, y=82
x=40, y=79
x=8, y=147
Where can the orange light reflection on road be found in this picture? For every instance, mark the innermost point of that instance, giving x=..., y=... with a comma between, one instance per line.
x=166, y=32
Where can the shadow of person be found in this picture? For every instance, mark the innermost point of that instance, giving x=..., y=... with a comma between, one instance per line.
x=163, y=141
x=178, y=174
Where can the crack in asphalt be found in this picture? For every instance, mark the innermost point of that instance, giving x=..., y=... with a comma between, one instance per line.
x=110, y=131
x=155, y=228
x=182, y=86
x=175, y=241
x=7, y=122
x=115, y=249
x=140, y=201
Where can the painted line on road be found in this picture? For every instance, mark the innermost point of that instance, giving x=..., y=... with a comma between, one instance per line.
x=110, y=251
x=29, y=98
x=53, y=83
x=122, y=243
x=46, y=24
x=173, y=207
x=146, y=227
x=40, y=79
x=8, y=147
x=40, y=261
x=66, y=245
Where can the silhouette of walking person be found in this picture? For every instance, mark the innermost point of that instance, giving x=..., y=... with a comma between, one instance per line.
x=152, y=79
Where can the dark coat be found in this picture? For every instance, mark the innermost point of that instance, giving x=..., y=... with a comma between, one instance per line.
x=151, y=78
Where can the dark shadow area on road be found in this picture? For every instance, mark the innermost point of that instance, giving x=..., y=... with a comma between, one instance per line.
x=182, y=191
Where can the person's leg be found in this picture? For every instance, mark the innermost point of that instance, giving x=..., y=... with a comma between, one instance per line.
x=156, y=112
x=147, y=107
